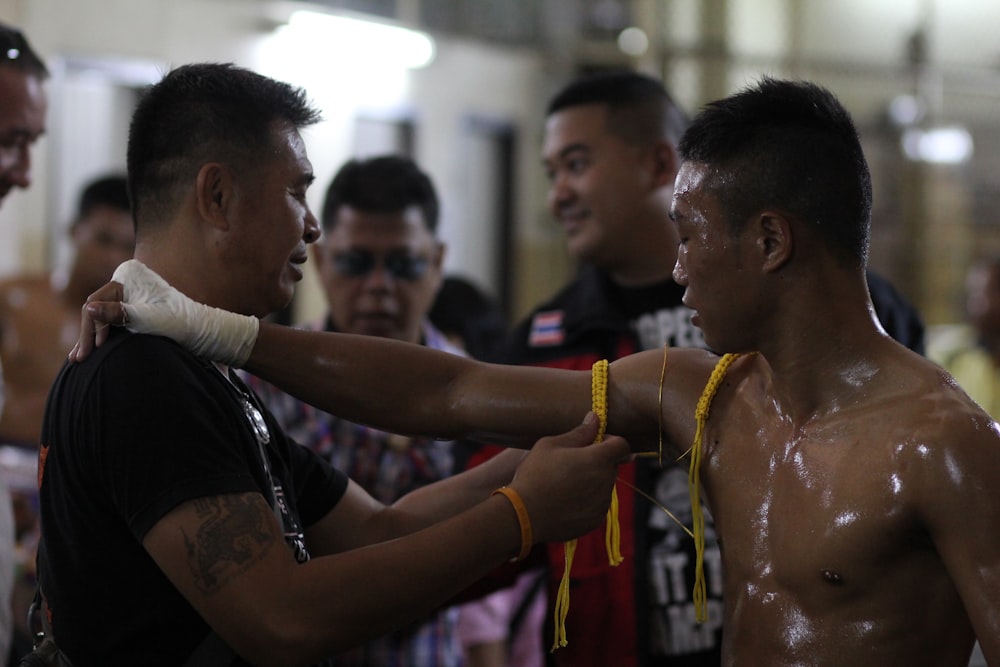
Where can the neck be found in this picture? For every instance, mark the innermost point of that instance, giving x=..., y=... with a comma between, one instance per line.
x=188, y=275
x=831, y=375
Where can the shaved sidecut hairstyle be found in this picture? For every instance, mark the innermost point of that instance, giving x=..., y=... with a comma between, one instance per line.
x=789, y=145
x=200, y=113
x=640, y=110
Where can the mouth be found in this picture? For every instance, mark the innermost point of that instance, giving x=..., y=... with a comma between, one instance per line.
x=295, y=262
x=571, y=213
x=694, y=311
x=572, y=222
x=375, y=324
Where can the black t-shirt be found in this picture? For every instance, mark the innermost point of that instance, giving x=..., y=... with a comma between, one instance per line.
x=137, y=429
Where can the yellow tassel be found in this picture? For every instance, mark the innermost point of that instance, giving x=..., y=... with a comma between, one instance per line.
x=699, y=594
x=612, y=534
x=562, y=597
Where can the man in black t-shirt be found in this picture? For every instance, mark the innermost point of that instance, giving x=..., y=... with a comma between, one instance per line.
x=176, y=516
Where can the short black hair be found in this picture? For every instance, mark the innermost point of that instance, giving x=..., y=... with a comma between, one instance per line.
x=16, y=52
x=201, y=113
x=790, y=145
x=110, y=190
x=381, y=184
x=640, y=108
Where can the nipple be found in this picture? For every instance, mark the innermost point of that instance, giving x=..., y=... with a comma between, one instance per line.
x=832, y=577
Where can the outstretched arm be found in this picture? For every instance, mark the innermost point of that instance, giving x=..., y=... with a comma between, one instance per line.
x=395, y=386
x=408, y=388
x=247, y=586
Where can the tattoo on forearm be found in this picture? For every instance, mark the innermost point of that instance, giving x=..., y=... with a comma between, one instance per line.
x=234, y=534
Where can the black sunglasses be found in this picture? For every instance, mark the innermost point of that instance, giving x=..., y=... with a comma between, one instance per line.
x=401, y=264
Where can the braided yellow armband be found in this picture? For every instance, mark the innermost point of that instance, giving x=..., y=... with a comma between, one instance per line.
x=694, y=482
x=612, y=533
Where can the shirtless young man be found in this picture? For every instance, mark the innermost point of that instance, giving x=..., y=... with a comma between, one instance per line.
x=852, y=483
x=39, y=314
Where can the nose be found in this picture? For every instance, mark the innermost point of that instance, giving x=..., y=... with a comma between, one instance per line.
x=311, y=230
x=380, y=278
x=559, y=192
x=680, y=273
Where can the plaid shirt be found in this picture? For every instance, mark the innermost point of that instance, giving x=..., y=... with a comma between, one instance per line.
x=388, y=466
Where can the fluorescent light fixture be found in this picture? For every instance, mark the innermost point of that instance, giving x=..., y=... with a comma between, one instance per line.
x=946, y=144
x=367, y=43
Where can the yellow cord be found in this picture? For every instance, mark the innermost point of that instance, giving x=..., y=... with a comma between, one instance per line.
x=694, y=483
x=562, y=597
x=659, y=405
x=612, y=533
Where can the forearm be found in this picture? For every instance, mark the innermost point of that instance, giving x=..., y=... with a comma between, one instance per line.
x=450, y=496
x=411, y=389
x=363, y=594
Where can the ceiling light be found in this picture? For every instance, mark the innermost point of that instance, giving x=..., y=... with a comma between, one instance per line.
x=633, y=41
x=945, y=144
x=358, y=40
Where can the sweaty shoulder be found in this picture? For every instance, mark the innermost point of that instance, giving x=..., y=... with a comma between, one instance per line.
x=943, y=443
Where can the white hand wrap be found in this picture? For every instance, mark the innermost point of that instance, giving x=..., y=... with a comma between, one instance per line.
x=154, y=307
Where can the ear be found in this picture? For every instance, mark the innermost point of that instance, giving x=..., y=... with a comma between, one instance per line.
x=666, y=163
x=774, y=239
x=214, y=194
x=73, y=231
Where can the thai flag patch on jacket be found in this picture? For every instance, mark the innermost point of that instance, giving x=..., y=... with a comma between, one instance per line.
x=546, y=329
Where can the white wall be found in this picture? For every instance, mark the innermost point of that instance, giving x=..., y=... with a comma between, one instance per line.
x=465, y=79
x=855, y=47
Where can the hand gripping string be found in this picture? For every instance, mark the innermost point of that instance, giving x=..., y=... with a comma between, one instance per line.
x=612, y=533
x=699, y=594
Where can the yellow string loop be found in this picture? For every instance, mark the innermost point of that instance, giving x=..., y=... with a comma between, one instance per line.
x=699, y=594
x=659, y=406
x=612, y=533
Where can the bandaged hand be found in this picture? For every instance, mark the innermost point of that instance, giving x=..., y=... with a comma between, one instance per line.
x=152, y=306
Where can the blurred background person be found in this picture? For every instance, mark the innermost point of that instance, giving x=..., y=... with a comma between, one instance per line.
x=469, y=317
x=40, y=313
x=23, y=108
x=971, y=351
x=380, y=264
x=39, y=322
x=23, y=105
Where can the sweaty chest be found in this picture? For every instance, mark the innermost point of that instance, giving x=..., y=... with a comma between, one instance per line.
x=822, y=509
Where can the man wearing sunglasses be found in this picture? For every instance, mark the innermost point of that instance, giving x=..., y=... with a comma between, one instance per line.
x=379, y=262
x=379, y=258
